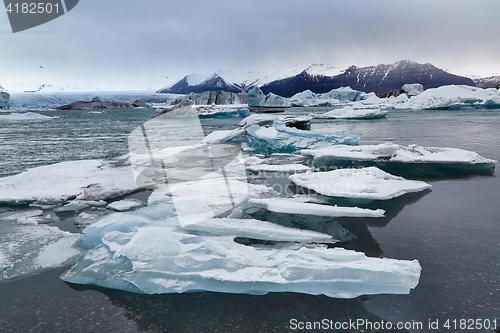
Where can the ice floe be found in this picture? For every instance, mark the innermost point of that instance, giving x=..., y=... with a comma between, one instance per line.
x=349, y=112
x=368, y=183
x=290, y=206
x=147, y=251
x=285, y=168
x=124, y=205
x=27, y=116
x=58, y=183
x=300, y=122
x=26, y=249
x=412, y=159
x=283, y=139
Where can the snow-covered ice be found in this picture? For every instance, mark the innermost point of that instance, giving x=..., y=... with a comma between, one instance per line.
x=61, y=182
x=386, y=154
x=288, y=168
x=367, y=183
x=349, y=112
x=124, y=205
x=146, y=251
x=290, y=206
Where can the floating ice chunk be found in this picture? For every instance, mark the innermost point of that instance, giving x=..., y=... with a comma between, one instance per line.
x=453, y=98
x=26, y=217
x=224, y=136
x=290, y=206
x=26, y=249
x=412, y=89
x=351, y=113
x=396, y=158
x=84, y=219
x=256, y=98
x=280, y=138
x=214, y=111
x=144, y=251
x=61, y=182
x=368, y=183
x=124, y=205
x=301, y=122
x=344, y=94
x=25, y=116
x=251, y=228
x=218, y=193
x=288, y=168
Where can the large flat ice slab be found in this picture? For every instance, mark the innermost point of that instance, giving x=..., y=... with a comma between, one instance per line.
x=61, y=182
x=290, y=206
x=147, y=252
x=411, y=157
x=367, y=183
x=349, y=112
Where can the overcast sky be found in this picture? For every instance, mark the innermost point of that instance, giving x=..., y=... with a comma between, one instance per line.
x=136, y=44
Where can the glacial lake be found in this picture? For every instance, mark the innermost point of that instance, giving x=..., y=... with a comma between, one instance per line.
x=452, y=230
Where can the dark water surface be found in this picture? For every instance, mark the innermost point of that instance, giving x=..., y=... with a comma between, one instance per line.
x=453, y=230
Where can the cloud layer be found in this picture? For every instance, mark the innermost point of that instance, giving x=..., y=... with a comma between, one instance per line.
x=130, y=44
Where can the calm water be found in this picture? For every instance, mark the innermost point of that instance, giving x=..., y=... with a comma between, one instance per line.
x=453, y=231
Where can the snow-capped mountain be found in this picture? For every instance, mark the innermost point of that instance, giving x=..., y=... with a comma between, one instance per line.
x=320, y=79
x=378, y=79
x=198, y=83
x=488, y=82
x=242, y=82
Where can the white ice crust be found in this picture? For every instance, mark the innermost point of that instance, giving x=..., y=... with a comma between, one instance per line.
x=290, y=206
x=391, y=152
x=60, y=182
x=289, y=168
x=147, y=251
x=367, y=183
x=349, y=112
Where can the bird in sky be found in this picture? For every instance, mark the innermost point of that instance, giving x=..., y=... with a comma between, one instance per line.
x=41, y=66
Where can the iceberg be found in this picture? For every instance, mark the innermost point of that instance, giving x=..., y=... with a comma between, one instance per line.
x=282, y=139
x=4, y=99
x=290, y=206
x=368, y=183
x=225, y=111
x=397, y=159
x=453, y=98
x=351, y=113
x=256, y=98
x=147, y=251
x=412, y=89
x=300, y=122
x=27, y=116
x=89, y=180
